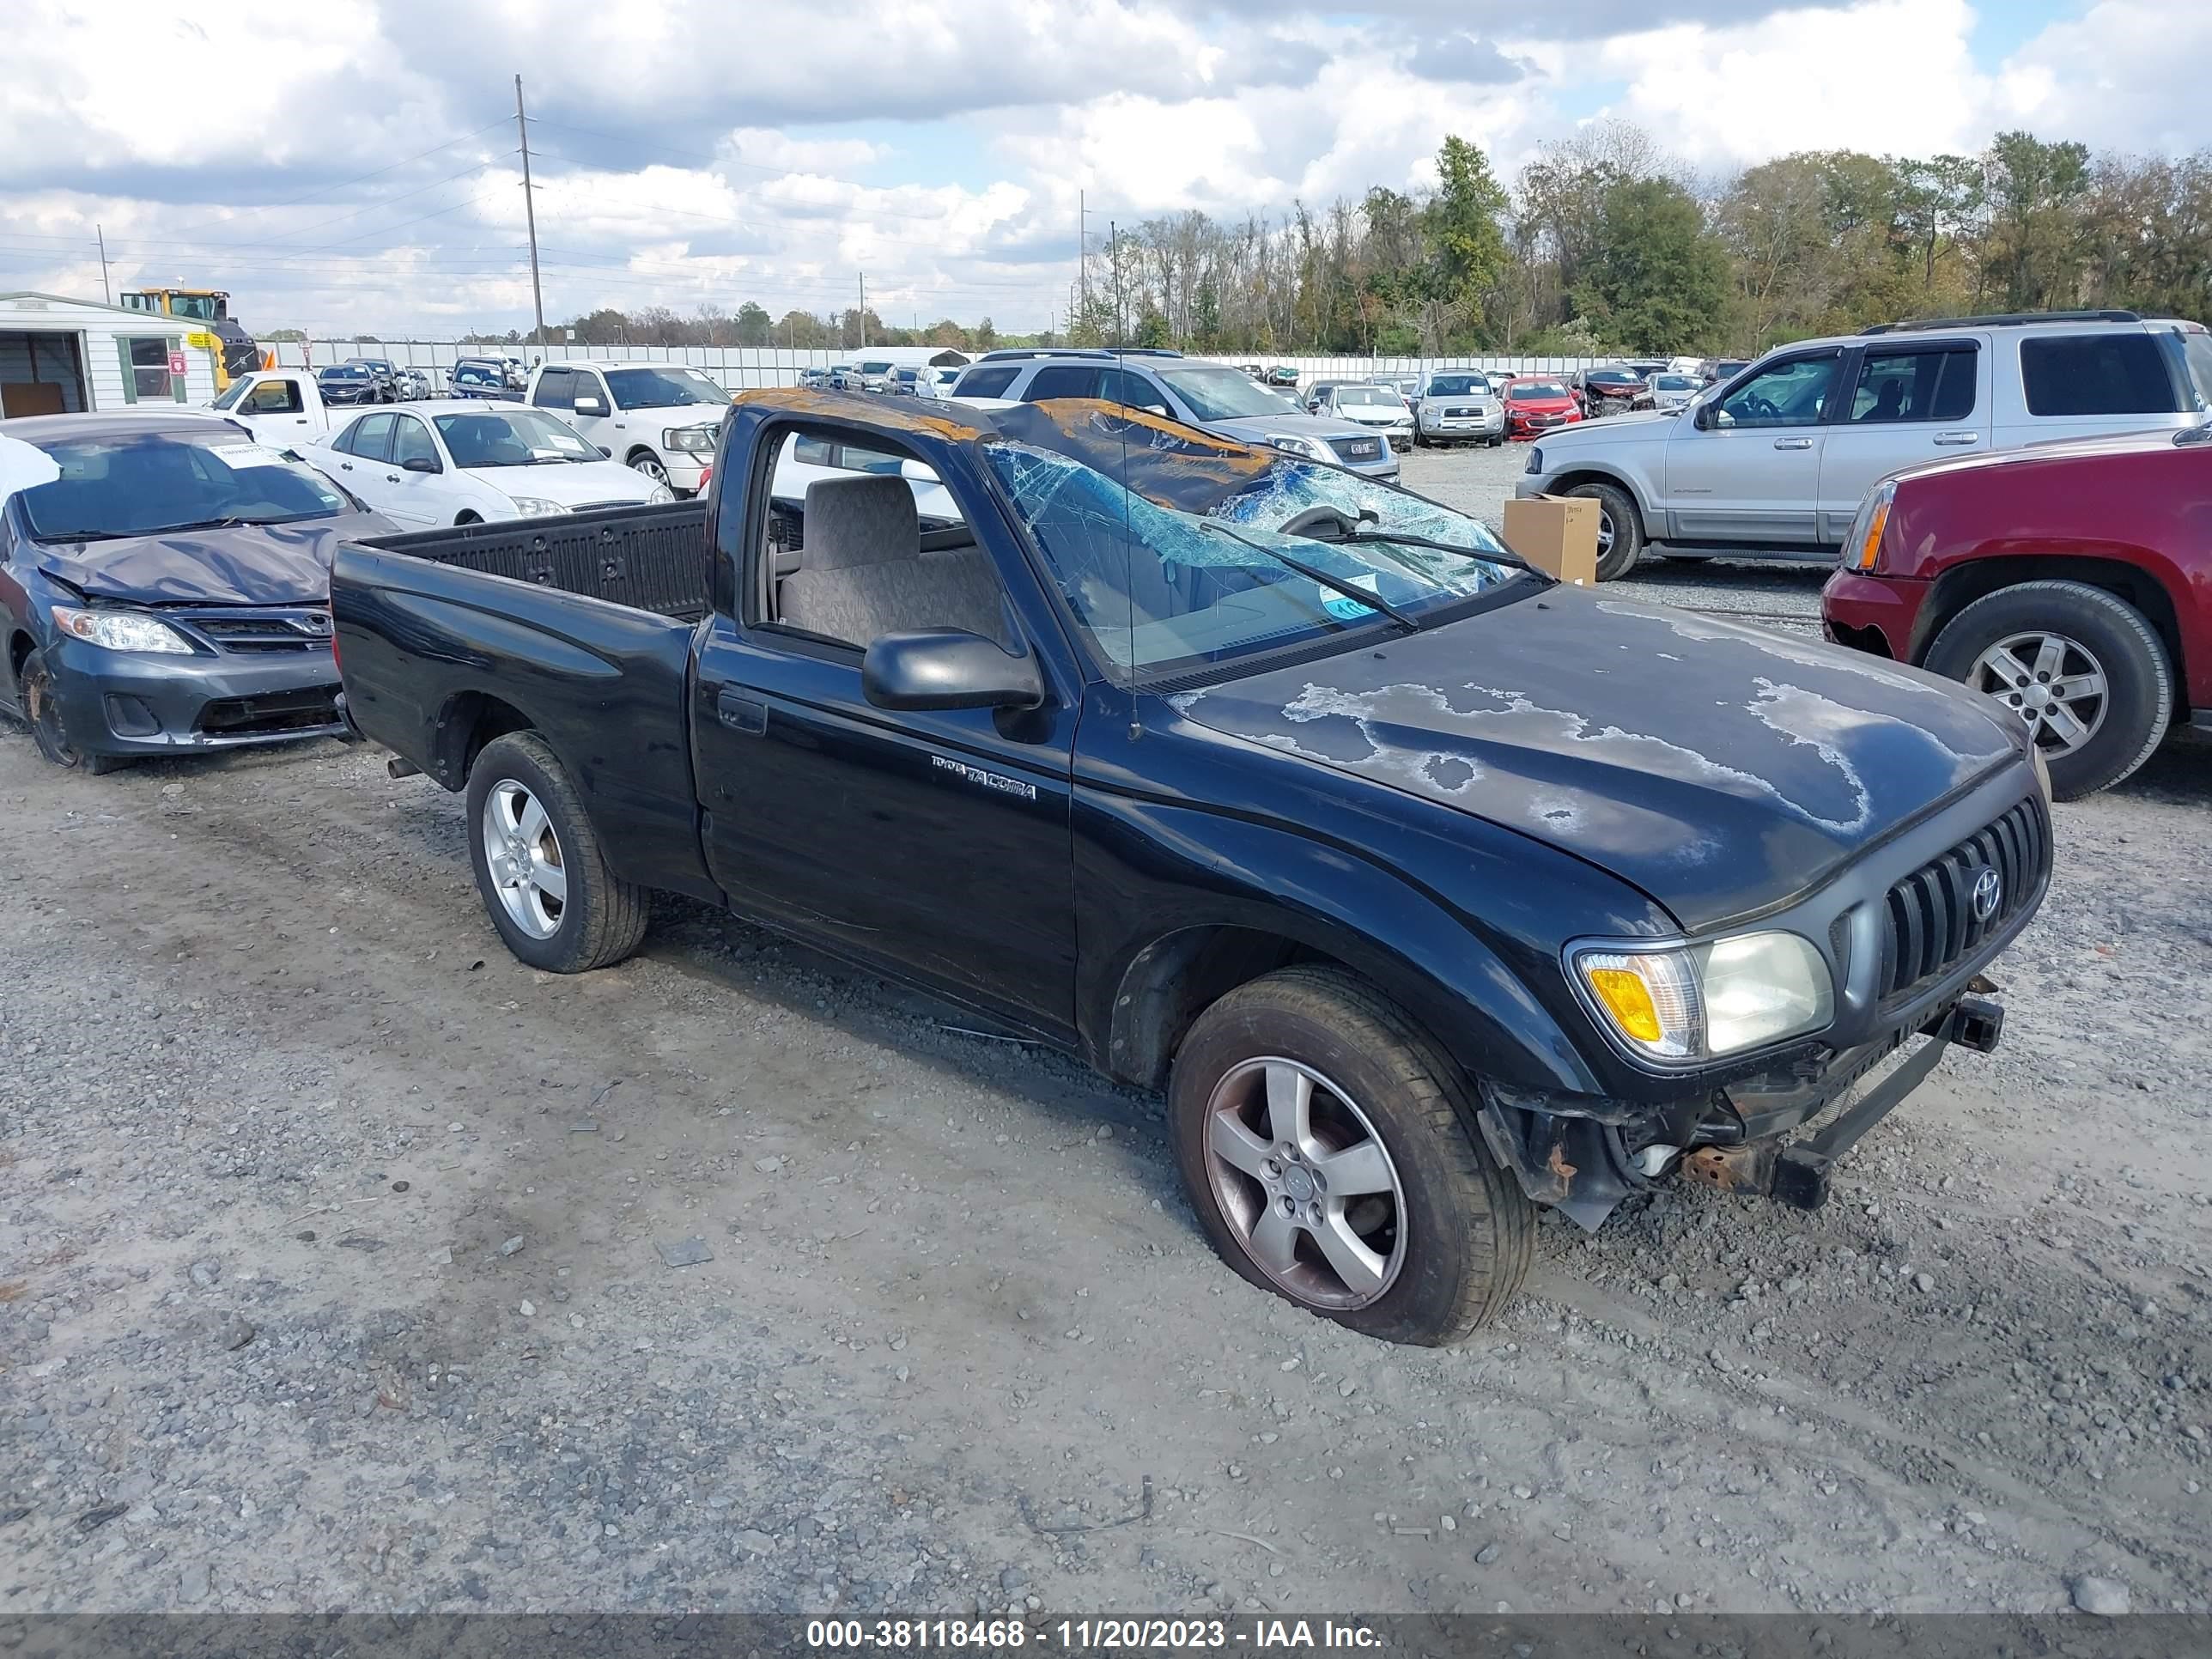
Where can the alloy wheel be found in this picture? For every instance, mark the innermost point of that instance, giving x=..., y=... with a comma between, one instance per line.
x=2052, y=683
x=524, y=855
x=651, y=466
x=1305, y=1184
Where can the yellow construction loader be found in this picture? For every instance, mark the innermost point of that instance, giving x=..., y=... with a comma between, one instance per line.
x=231, y=346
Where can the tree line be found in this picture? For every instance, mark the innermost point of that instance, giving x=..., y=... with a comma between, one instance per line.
x=1603, y=244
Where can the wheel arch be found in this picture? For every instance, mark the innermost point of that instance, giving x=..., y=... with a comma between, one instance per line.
x=1975, y=579
x=469, y=720
x=638, y=452
x=1575, y=477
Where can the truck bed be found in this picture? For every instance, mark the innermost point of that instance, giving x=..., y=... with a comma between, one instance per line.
x=649, y=558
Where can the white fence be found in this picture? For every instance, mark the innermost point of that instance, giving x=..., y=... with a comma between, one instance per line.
x=742, y=367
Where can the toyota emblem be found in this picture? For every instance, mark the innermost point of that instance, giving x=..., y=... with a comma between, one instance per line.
x=1988, y=890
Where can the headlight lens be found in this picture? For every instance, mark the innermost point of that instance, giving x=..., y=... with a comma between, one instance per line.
x=1863, y=547
x=1708, y=1000
x=122, y=630
x=536, y=507
x=663, y=493
x=691, y=440
x=1284, y=440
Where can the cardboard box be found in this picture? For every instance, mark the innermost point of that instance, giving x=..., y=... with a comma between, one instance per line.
x=1557, y=534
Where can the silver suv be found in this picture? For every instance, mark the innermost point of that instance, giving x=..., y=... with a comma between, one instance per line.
x=1774, y=461
x=1212, y=396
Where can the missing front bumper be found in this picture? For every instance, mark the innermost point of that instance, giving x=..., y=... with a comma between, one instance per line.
x=1798, y=1173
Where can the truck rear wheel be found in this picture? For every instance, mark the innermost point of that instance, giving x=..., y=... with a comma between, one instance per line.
x=539, y=869
x=1325, y=1142
x=1620, y=529
x=2079, y=665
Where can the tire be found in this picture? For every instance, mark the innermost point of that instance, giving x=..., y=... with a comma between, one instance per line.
x=1619, y=531
x=34, y=685
x=651, y=465
x=1443, y=1246
x=596, y=920
x=2092, y=633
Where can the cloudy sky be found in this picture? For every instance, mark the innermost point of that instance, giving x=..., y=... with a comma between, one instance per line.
x=351, y=164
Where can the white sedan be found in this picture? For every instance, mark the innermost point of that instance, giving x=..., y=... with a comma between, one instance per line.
x=471, y=462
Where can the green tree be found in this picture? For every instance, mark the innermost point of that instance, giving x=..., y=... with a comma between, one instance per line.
x=1655, y=278
x=753, y=324
x=2038, y=194
x=1462, y=222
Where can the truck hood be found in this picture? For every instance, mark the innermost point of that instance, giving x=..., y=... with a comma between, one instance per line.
x=1719, y=768
x=251, y=564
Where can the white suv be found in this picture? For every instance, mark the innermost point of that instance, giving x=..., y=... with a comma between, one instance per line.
x=1774, y=461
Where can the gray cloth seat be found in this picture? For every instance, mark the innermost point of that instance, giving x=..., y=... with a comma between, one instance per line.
x=862, y=574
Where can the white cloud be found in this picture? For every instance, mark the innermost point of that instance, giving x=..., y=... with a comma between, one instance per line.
x=685, y=160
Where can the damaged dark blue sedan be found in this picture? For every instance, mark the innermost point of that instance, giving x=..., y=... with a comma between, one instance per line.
x=166, y=583
x=1429, y=890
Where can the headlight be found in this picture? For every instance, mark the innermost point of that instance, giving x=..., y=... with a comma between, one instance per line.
x=1863, y=547
x=122, y=630
x=1682, y=1003
x=1535, y=459
x=691, y=440
x=1285, y=441
x=535, y=506
x=662, y=493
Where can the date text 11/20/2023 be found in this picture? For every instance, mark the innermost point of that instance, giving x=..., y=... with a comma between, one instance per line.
x=1084, y=1635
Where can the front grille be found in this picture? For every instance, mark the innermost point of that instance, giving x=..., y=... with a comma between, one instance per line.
x=308, y=709
x=267, y=631
x=1356, y=449
x=1929, y=924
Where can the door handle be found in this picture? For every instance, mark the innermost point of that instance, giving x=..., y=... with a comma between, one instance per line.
x=741, y=714
x=1793, y=443
x=345, y=466
x=1958, y=437
x=391, y=477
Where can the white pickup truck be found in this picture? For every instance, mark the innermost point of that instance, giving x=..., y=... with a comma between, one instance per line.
x=661, y=418
x=283, y=407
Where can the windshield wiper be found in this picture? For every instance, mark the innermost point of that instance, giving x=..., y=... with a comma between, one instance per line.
x=1314, y=573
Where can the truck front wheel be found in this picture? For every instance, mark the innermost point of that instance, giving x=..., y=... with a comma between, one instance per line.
x=1326, y=1145
x=539, y=868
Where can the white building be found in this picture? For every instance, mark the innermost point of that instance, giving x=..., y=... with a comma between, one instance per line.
x=64, y=357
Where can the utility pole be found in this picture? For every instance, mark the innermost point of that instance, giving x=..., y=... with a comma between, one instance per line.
x=530, y=213
x=864, y=311
x=1114, y=258
x=106, y=292
x=1082, y=251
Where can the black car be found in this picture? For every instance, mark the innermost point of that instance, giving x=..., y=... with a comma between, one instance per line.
x=350, y=383
x=167, y=591
x=383, y=371
x=1430, y=888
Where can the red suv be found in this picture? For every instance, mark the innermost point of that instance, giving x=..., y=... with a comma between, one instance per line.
x=1536, y=403
x=2072, y=583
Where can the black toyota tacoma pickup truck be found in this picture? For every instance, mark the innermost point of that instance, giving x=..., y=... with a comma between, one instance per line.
x=1429, y=890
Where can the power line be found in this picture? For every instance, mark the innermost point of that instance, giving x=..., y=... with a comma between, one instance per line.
x=343, y=184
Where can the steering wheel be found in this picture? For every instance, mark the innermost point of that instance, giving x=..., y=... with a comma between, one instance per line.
x=1759, y=408
x=1323, y=518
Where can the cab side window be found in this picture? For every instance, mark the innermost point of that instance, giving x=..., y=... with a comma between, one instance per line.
x=273, y=397
x=1790, y=394
x=369, y=437
x=556, y=389
x=1914, y=386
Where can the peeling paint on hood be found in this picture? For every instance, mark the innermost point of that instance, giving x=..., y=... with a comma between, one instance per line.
x=1720, y=768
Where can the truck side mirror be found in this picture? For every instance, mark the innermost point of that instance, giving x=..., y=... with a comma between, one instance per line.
x=947, y=668
x=590, y=406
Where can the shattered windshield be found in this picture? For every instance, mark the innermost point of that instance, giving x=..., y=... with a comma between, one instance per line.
x=1190, y=565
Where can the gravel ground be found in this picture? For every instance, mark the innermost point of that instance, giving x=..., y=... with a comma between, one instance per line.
x=337, y=1271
